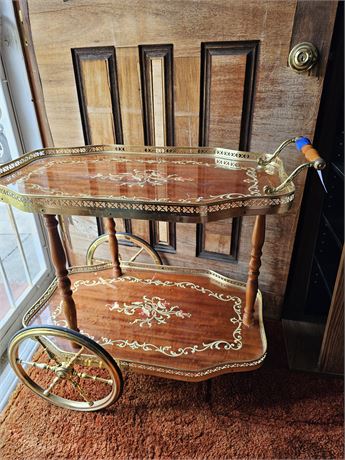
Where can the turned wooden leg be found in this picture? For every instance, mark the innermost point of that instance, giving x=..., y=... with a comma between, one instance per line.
x=58, y=257
x=109, y=224
x=258, y=239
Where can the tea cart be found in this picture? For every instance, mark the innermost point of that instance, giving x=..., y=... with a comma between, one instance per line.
x=98, y=320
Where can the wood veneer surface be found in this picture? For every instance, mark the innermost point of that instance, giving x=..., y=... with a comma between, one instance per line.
x=201, y=328
x=181, y=179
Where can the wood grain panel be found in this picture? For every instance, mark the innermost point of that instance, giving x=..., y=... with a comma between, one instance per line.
x=219, y=240
x=163, y=236
x=227, y=86
x=187, y=107
x=156, y=65
x=157, y=92
x=132, y=118
x=201, y=314
x=163, y=232
x=158, y=122
x=150, y=21
x=220, y=245
x=312, y=22
x=96, y=79
x=228, y=80
x=141, y=228
x=98, y=107
x=225, y=100
x=187, y=99
x=130, y=95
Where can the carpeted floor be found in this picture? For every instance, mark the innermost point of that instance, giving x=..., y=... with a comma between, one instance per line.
x=272, y=413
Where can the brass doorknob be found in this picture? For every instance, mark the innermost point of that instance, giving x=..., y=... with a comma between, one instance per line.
x=303, y=57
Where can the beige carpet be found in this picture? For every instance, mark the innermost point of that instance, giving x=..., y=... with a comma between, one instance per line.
x=270, y=413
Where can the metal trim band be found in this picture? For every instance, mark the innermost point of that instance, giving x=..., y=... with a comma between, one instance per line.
x=192, y=374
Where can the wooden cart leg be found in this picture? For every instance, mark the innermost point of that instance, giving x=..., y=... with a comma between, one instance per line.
x=258, y=239
x=59, y=261
x=208, y=390
x=109, y=224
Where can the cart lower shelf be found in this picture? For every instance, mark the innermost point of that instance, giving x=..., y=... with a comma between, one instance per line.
x=184, y=324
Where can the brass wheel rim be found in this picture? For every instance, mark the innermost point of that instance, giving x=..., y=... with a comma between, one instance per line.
x=142, y=244
x=63, y=370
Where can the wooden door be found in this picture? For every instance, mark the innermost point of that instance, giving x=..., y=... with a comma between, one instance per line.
x=185, y=73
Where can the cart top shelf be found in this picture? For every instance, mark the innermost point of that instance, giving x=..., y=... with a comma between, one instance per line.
x=164, y=183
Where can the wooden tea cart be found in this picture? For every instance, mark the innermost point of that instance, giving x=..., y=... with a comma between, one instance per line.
x=96, y=321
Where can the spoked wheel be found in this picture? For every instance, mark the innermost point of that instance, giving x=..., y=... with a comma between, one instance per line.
x=65, y=368
x=133, y=249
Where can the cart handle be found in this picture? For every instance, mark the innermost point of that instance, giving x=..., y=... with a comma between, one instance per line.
x=303, y=144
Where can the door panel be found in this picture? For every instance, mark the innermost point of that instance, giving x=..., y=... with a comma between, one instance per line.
x=189, y=73
x=186, y=98
x=130, y=95
x=96, y=82
x=228, y=81
x=156, y=71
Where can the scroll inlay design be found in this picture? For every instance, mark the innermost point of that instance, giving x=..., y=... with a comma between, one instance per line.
x=151, y=310
x=217, y=345
x=141, y=178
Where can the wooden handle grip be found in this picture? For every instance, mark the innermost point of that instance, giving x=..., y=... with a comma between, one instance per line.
x=303, y=144
x=310, y=153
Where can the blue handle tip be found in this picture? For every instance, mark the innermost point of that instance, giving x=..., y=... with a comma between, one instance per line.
x=301, y=142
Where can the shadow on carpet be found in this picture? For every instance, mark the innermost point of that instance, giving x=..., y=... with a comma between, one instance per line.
x=270, y=413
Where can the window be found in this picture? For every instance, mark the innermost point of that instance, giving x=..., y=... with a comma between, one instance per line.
x=23, y=261
x=25, y=268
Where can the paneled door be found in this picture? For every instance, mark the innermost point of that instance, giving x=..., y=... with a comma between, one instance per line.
x=184, y=73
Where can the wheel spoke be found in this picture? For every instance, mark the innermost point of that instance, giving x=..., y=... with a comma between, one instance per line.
x=52, y=385
x=132, y=259
x=83, y=375
x=38, y=365
x=50, y=354
x=73, y=359
x=80, y=391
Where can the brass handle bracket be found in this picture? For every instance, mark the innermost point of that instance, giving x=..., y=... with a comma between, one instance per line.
x=302, y=144
x=264, y=160
x=269, y=190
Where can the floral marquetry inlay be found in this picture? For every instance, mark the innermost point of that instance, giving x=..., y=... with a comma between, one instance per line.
x=154, y=310
x=141, y=178
x=158, y=310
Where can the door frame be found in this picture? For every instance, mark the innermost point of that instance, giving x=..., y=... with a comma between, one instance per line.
x=313, y=197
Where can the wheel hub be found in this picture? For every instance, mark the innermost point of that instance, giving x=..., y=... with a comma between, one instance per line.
x=63, y=371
